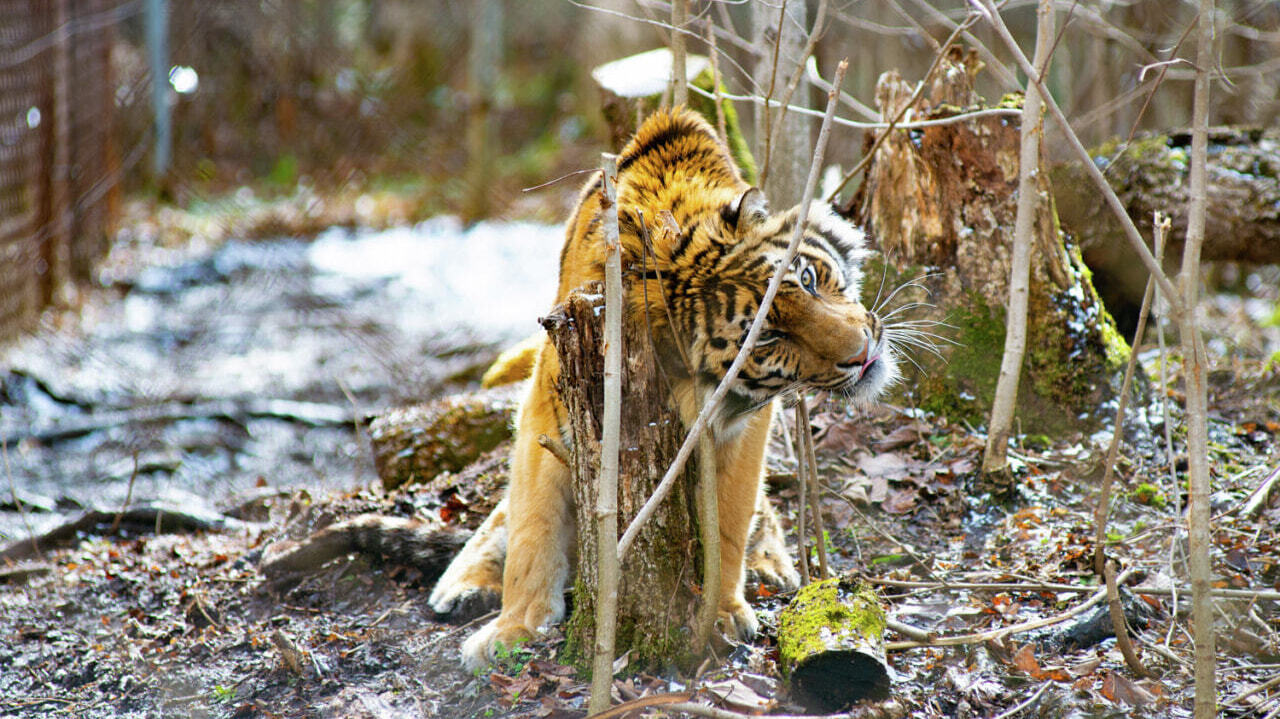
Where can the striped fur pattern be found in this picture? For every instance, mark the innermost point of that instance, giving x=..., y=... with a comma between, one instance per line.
x=699, y=248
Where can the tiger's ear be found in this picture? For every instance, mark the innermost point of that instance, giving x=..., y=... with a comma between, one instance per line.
x=747, y=210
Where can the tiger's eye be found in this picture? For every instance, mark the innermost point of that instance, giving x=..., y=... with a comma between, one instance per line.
x=809, y=280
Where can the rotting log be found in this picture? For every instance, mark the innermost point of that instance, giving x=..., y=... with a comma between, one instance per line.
x=831, y=645
x=1242, y=222
x=657, y=601
x=941, y=202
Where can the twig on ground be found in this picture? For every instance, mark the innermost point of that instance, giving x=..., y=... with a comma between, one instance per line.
x=703, y=710
x=979, y=637
x=909, y=631
x=1024, y=703
x=1260, y=496
x=634, y=705
x=1051, y=587
x=1118, y=625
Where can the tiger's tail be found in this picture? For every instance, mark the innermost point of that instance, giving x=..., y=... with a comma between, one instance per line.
x=426, y=546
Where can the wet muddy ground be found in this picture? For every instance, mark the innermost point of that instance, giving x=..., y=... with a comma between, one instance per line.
x=216, y=392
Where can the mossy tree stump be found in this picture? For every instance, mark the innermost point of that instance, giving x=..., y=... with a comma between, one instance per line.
x=657, y=601
x=941, y=202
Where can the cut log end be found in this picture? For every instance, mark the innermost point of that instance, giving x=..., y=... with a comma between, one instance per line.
x=833, y=681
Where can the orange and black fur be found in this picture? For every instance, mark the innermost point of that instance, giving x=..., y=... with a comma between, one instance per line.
x=700, y=282
x=710, y=266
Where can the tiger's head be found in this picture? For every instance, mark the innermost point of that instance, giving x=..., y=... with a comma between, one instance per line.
x=817, y=334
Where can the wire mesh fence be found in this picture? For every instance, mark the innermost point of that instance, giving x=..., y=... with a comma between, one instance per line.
x=60, y=165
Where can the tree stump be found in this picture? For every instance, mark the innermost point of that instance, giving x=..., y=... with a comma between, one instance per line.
x=657, y=601
x=941, y=202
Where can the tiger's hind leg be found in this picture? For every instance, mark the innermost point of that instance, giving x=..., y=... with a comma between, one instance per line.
x=541, y=526
x=472, y=584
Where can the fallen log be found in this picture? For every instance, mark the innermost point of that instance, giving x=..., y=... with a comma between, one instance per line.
x=414, y=444
x=831, y=645
x=152, y=517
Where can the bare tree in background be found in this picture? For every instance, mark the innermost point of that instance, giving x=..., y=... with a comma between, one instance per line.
x=783, y=139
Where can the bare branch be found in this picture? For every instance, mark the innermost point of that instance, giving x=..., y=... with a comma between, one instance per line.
x=962, y=117
x=1029, y=200
x=1198, y=515
x=606, y=513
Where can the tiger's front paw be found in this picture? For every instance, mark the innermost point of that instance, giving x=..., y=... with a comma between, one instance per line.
x=737, y=619
x=480, y=649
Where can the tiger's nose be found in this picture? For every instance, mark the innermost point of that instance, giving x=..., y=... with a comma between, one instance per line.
x=861, y=356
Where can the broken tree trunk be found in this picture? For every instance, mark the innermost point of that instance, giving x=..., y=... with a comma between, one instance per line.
x=831, y=645
x=656, y=599
x=941, y=202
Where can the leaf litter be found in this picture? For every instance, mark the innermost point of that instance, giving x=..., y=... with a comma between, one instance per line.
x=137, y=622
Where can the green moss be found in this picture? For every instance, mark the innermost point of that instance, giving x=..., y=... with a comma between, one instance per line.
x=1148, y=494
x=1011, y=100
x=963, y=388
x=826, y=613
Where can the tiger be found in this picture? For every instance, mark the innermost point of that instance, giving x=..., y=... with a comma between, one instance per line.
x=699, y=246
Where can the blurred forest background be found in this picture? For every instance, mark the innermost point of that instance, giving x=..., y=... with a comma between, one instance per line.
x=370, y=100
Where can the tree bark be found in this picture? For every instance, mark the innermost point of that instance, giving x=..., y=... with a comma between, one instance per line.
x=656, y=600
x=783, y=148
x=941, y=202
